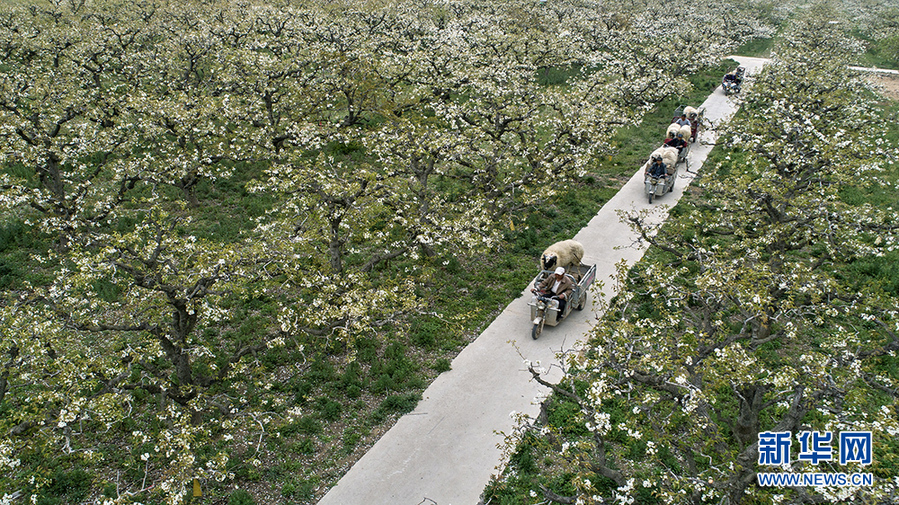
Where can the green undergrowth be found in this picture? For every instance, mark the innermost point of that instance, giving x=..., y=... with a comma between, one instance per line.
x=756, y=48
x=17, y=243
x=881, y=53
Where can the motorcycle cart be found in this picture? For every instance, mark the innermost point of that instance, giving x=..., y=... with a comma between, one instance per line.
x=658, y=186
x=733, y=81
x=543, y=311
x=730, y=86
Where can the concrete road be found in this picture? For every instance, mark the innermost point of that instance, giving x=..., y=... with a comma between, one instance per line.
x=445, y=451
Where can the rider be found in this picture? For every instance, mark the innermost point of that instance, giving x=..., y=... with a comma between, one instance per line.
x=677, y=141
x=657, y=168
x=731, y=79
x=683, y=121
x=559, y=285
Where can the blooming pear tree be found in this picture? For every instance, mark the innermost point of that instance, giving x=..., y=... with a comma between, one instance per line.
x=489, y=129
x=65, y=124
x=115, y=355
x=192, y=125
x=127, y=343
x=744, y=320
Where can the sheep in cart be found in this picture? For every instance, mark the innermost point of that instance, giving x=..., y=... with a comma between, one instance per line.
x=678, y=137
x=660, y=185
x=694, y=115
x=566, y=254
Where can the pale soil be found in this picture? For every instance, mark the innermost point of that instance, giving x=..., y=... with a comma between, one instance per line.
x=889, y=84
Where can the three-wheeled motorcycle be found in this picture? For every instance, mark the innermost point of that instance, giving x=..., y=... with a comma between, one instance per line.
x=733, y=81
x=545, y=310
x=658, y=186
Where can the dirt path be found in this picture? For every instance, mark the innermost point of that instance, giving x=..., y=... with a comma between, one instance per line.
x=445, y=451
x=889, y=83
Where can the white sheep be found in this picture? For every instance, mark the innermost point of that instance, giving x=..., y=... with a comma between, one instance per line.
x=691, y=113
x=686, y=131
x=673, y=129
x=669, y=157
x=566, y=254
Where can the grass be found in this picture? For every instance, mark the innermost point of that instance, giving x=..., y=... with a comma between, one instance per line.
x=240, y=497
x=18, y=243
x=883, y=53
x=756, y=48
x=66, y=487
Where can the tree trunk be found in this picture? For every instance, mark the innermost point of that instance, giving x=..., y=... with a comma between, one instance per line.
x=335, y=246
x=746, y=428
x=188, y=185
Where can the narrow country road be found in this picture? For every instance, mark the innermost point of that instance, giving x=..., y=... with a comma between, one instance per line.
x=444, y=452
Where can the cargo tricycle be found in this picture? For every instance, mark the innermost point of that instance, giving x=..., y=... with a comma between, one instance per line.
x=545, y=309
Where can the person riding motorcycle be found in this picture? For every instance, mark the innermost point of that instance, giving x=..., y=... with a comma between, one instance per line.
x=657, y=168
x=558, y=285
x=677, y=141
x=731, y=81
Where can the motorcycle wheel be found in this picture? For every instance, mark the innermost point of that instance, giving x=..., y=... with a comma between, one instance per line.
x=581, y=303
x=671, y=188
x=537, y=330
x=650, y=196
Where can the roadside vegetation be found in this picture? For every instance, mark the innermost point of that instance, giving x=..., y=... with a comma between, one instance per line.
x=766, y=303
